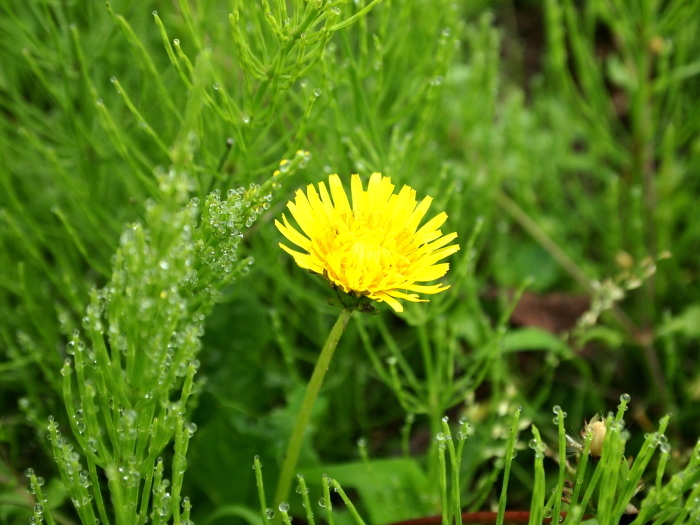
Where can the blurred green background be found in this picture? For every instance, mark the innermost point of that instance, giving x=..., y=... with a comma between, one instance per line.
x=561, y=137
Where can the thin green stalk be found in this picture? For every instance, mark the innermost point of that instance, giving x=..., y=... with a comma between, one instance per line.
x=640, y=465
x=182, y=438
x=145, y=496
x=433, y=407
x=369, y=348
x=351, y=508
x=117, y=492
x=393, y=347
x=455, y=461
x=591, y=486
x=406, y=434
x=354, y=17
x=443, y=483
x=327, y=498
x=305, y=499
x=510, y=449
x=661, y=468
x=580, y=476
x=284, y=511
x=324, y=359
x=261, y=489
x=40, y=499
x=562, y=463
x=538, y=490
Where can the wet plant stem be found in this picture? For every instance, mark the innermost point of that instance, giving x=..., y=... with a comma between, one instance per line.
x=312, y=389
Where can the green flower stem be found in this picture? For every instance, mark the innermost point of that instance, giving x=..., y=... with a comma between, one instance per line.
x=292, y=455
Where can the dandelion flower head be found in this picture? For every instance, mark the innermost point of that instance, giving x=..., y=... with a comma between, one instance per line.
x=374, y=248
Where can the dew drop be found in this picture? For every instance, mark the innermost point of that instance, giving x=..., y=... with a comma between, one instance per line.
x=92, y=444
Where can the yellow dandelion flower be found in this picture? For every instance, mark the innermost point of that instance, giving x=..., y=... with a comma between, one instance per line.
x=373, y=249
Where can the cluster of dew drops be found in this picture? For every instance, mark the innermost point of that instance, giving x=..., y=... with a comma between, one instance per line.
x=34, y=483
x=224, y=221
x=442, y=438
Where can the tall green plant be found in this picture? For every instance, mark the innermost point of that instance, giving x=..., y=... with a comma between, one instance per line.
x=133, y=378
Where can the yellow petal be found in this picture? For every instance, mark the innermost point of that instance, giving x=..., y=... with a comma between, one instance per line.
x=397, y=306
x=340, y=198
x=419, y=213
x=292, y=234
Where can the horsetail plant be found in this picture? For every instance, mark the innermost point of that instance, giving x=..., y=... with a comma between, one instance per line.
x=128, y=380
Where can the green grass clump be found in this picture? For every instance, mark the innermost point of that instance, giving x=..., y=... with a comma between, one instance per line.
x=155, y=339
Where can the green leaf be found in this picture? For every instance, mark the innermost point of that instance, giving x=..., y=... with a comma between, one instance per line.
x=534, y=339
x=686, y=323
x=611, y=337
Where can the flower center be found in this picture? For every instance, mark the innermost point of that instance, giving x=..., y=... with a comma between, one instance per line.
x=362, y=258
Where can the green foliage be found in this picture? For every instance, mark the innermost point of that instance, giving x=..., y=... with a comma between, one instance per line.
x=147, y=148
